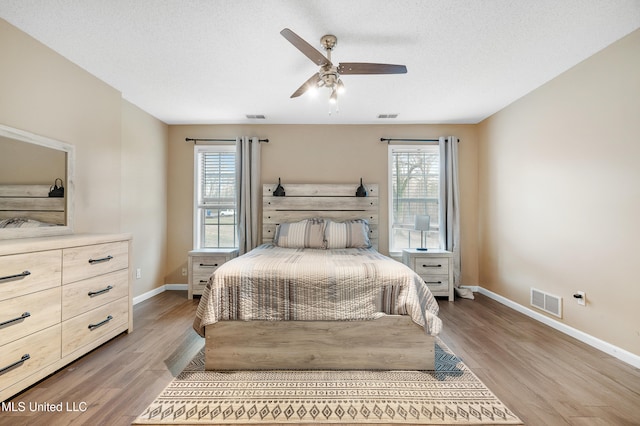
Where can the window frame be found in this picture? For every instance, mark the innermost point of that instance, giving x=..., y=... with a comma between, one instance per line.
x=198, y=206
x=390, y=158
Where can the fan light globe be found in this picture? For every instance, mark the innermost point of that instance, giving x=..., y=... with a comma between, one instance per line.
x=334, y=96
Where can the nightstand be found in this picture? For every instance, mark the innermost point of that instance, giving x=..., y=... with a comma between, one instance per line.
x=434, y=266
x=202, y=263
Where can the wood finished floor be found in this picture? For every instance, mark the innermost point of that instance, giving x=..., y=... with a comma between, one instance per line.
x=545, y=377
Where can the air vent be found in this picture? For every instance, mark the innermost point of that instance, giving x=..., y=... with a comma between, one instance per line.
x=388, y=116
x=546, y=302
x=255, y=116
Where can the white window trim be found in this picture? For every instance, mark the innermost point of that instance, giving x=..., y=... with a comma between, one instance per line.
x=197, y=224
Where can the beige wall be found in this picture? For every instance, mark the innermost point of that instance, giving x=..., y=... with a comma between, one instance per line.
x=144, y=194
x=317, y=153
x=559, y=194
x=43, y=93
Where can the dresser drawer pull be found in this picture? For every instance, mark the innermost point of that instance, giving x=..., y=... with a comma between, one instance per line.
x=100, y=324
x=208, y=265
x=24, y=358
x=103, y=259
x=16, y=276
x=432, y=266
x=21, y=317
x=96, y=293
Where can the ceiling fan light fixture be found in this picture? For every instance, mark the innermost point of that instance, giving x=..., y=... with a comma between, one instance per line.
x=329, y=74
x=334, y=96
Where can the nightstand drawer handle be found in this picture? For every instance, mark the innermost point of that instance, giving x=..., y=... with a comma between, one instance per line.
x=432, y=266
x=16, y=276
x=24, y=358
x=433, y=282
x=203, y=281
x=100, y=324
x=21, y=317
x=96, y=293
x=208, y=265
x=104, y=259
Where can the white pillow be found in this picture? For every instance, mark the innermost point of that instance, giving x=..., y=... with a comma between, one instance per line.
x=308, y=233
x=349, y=234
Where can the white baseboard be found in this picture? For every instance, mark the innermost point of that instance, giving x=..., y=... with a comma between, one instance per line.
x=608, y=348
x=184, y=287
x=158, y=290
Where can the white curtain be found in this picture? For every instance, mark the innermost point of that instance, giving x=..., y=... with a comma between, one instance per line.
x=450, y=207
x=248, y=193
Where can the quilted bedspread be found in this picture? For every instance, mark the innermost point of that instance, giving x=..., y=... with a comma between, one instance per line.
x=274, y=283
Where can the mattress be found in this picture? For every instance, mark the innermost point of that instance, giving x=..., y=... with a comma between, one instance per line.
x=284, y=284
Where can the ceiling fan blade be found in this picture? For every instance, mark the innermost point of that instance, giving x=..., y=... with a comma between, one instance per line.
x=308, y=50
x=312, y=82
x=368, y=68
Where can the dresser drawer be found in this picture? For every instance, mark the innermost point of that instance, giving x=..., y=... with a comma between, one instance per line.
x=91, y=326
x=85, y=295
x=29, y=272
x=431, y=265
x=37, y=350
x=203, y=266
x=27, y=314
x=436, y=283
x=199, y=284
x=84, y=262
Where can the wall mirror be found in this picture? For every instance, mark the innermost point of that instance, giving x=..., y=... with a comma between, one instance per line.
x=29, y=167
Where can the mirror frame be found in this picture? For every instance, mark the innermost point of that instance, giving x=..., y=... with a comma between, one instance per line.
x=24, y=136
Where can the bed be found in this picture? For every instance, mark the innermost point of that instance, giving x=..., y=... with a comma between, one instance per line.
x=29, y=206
x=305, y=301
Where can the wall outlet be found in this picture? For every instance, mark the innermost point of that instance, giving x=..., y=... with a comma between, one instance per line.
x=138, y=273
x=184, y=272
x=581, y=298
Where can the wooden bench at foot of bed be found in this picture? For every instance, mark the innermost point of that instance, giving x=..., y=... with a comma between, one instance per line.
x=393, y=342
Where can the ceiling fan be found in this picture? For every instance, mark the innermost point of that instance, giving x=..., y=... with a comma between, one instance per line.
x=329, y=74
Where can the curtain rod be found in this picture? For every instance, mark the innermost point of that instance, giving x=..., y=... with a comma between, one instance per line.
x=408, y=140
x=219, y=140
x=387, y=140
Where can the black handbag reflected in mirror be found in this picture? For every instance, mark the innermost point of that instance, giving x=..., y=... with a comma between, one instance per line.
x=55, y=190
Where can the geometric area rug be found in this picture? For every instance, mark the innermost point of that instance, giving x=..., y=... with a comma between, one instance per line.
x=451, y=394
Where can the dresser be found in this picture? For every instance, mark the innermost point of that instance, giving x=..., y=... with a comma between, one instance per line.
x=202, y=263
x=60, y=297
x=434, y=266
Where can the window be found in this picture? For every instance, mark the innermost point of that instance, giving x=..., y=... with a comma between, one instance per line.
x=215, y=221
x=414, y=174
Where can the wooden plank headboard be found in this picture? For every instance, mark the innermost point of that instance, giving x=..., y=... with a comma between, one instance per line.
x=31, y=202
x=331, y=201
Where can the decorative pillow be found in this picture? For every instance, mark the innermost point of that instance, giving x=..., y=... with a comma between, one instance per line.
x=307, y=233
x=349, y=234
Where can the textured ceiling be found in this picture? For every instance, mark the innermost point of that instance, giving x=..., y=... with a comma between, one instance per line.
x=215, y=61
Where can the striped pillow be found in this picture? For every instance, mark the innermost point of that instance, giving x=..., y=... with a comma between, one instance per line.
x=349, y=234
x=307, y=233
